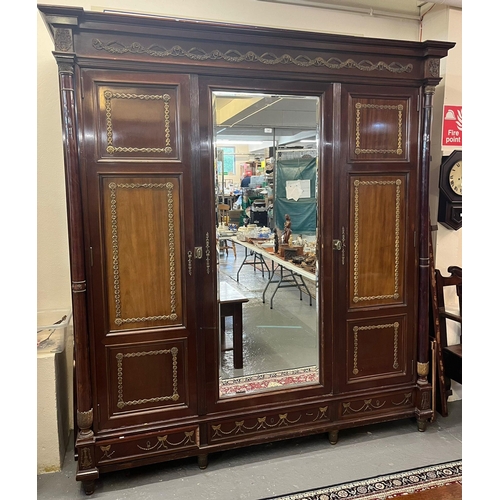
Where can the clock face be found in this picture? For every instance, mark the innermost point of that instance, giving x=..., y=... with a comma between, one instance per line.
x=455, y=178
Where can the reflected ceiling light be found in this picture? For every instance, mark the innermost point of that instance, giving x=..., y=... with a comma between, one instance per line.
x=220, y=93
x=308, y=140
x=228, y=141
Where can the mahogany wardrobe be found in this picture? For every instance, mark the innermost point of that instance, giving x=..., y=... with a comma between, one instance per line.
x=137, y=98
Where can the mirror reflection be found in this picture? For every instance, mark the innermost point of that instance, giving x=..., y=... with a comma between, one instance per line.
x=266, y=168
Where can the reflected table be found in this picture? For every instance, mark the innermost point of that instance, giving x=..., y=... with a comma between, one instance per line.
x=253, y=257
x=284, y=273
x=231, y=304
x=286, y=278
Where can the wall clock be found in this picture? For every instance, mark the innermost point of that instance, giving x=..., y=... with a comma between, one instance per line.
x=450, y=191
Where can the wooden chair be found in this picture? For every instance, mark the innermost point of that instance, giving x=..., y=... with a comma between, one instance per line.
x=225, y=244
x=451, y=354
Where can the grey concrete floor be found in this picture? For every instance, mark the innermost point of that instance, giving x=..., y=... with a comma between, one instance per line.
x=263, y=471
x=281, y=338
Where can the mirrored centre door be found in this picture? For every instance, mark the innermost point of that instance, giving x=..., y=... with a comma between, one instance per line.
x=267, y=156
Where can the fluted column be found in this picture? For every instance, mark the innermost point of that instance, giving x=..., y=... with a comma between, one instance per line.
x=65, y=58
x=424, y=221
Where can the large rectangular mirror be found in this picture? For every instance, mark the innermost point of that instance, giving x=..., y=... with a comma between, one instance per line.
x=266, y=177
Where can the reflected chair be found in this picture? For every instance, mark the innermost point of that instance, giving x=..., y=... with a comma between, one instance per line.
x=225, y=243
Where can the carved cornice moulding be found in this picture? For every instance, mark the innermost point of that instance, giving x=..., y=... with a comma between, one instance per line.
x=234, y=56
x=210, y=44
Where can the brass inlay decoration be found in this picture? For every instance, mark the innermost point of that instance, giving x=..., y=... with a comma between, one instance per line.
x=423, y=369
x=366, y=406
x=105, y=452
x=78, y=286
x=265, y=423
x=396, y=345
x=343, y=245
x=397, y=223
x=369, y=405
x=355, y=353
x=115, y=250
x=356, y=329
x=163, y=442
x=261, y=424
x=190, y=262
x=234, y=56
x=85, y=419
x=174, y=397
x=320, y=414
x=396, y=107
x=108, y=96
x=405, y=401
x=85, y=458
x=207, y=251
x=426, y=400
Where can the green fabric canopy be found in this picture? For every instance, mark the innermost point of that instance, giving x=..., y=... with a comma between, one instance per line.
x=303, y=212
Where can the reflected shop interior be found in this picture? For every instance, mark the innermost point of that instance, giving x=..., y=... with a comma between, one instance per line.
x=266, y=168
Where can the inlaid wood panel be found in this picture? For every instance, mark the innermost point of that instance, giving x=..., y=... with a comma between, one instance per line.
x=146, y=376
x=137, y=122
x=378, y=214
x=142, y=228
x=379, y=129
x=376, y=349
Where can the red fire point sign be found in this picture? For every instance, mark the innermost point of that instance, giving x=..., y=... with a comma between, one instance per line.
x=452, y=126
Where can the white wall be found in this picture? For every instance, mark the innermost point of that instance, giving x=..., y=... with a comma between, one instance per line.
x=444, y=23
x=449, y=242
x=53, y=288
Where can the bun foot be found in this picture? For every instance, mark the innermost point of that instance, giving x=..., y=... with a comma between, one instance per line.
x=422, y=424
x=202, y=461
x=88, y=487
x=333, y=437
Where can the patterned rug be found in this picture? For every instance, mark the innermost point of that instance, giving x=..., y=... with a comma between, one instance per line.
x=270, y=380
x=388, y=486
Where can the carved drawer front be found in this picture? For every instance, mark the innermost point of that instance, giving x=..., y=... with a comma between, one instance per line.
x=143, y=261
x=147, y=376
x=137, y=122
x=355, y=407
x=378, y=128
x=378, y=214
x=376, y=350
x=159, y=443
x=227, y=430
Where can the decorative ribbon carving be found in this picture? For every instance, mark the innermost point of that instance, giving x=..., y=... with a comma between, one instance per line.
x=234, y=56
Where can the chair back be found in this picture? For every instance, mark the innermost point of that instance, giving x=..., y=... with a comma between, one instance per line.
x=442, y=282
x=223, y=210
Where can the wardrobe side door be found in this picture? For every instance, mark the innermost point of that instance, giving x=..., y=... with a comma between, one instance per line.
x=137, y=165
x=377, y=263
